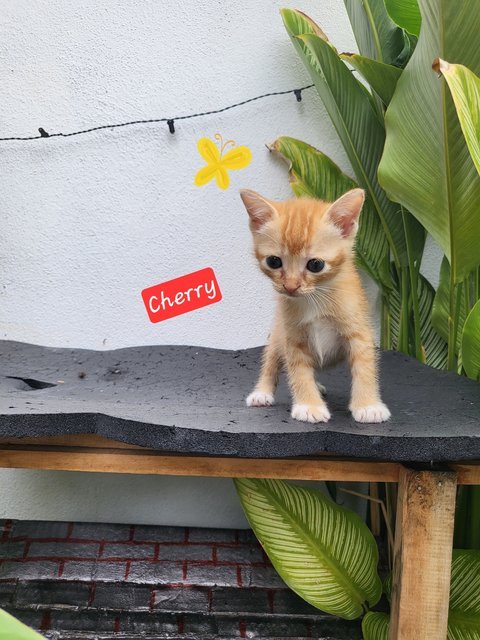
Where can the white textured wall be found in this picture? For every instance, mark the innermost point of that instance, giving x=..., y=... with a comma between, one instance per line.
x=88, y=222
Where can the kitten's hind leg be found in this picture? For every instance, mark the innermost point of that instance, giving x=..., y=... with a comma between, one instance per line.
x=263, y=394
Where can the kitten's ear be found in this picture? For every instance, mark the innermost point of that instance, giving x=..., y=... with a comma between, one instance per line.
x=344, y=212
x=259, y=208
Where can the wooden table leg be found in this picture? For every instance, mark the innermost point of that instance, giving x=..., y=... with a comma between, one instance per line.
x=422, y=555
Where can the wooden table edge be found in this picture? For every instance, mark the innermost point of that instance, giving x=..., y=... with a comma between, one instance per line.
x=91, y=453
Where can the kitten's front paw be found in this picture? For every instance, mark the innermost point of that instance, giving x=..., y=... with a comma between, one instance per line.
x=260, y=399
x=378, y=412
x=311, y=412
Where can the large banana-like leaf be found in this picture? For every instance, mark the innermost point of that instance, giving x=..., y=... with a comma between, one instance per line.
x=464, y=614
x=433, y=345
x=358, y=124
x=471, y=343
x=377, y=36
x=406, y=14
x=465, y=89
x=324, y=552
x=381, y=77
x=426, y=164
x=375, y=626
x=441, y=318
x=313, y=174
x=13, y=629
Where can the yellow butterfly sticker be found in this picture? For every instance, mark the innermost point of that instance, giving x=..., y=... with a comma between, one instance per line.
x=218, y=163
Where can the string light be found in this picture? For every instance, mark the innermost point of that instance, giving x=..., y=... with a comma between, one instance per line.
x=169, y=121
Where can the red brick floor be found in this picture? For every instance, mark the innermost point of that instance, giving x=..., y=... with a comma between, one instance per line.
x=82, y=581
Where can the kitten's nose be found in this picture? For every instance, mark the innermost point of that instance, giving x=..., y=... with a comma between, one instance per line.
x=291, y=290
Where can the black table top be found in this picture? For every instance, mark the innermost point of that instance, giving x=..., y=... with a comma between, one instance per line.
x=191, y=400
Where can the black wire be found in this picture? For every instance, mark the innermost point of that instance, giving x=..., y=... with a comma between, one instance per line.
x=44, y=134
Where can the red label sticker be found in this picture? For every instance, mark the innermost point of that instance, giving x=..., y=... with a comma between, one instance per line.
x=181, y=295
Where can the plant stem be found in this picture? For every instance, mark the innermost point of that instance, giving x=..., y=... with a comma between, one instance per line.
x=456, y=300
x=403, y=342
x=452, y=328
x=385, y=333
x=412, y=270
x=466, y=295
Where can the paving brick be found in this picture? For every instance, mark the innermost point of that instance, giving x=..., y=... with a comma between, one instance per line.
x=149, y=533
x=30, y=617
x=12, y=550
x=246, y=536
x=39, y=529
x=122, y=595
x=186, y=552
x=106, y=599
x=158, y=622
x=261, y=577
x=29, y=570
x=286, y=601
x=240, y=555
x=231, y=599
x=329, y=627
x=155, y=572
x=263, y=627
x=7, y=593
x=129, y=551
x=52, y=592
x=101, y=531
x=83, y=619
x=63, y=550
x=90, y=570
x=200, y=625
x=198, y=534
x=181, y=599
x=211, y=575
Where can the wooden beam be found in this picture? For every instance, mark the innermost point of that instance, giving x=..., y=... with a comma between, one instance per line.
x=148, y=462
x=422, y=555
x=467, y=472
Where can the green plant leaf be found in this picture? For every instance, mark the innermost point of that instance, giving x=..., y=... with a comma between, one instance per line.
x=406, y=14
x=377, y=36
x=324, y=552
x=358, y=124
x=313, y=174
x=426, y=165
x=381, y=77
x=13, y=629
x=464, y=614
x=434, y=346
x=471, y=343
x=441, y=306
x=465, y=89
x=375, y=626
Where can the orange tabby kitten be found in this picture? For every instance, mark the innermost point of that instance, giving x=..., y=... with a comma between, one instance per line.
x=305, y=247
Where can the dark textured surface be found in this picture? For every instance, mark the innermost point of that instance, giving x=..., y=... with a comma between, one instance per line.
x=188, y=596
x=191, y=400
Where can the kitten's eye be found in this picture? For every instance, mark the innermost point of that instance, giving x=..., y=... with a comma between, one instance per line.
x=315, y=266
x=274, y=262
